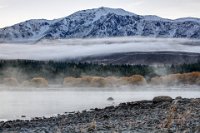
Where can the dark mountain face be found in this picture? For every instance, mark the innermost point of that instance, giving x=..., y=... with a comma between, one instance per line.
x=145, y=58
x=101, y=22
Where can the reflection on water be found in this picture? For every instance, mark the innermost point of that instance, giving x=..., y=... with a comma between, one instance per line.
x=50, y=102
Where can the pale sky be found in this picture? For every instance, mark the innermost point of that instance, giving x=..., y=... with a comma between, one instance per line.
x=14, y=11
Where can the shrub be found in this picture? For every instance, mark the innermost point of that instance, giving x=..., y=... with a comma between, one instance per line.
x=134, y=80
x=10, y=81
x=39, y=82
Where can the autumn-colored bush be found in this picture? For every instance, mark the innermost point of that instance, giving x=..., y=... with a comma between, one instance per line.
x=156, y=81
x=173, y=79
x=94, y=81
x=39, y=82
x=133, y=80
x=113, y=81
x=71, y=81
x=97, y=81
x=10, y=81
x=85, y=81
x=191, y=78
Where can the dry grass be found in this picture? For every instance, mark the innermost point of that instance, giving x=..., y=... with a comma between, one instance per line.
x=92, y=126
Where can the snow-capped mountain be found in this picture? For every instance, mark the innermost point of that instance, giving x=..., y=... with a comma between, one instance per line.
x=101, y=22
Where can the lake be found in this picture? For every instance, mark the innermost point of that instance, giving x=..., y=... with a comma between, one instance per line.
x=16, y=102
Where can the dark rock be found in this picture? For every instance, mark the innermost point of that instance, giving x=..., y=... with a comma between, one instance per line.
x=110, y=99
x=23, y=116
x=105, y=116
x=179, y=97
x=159, y=99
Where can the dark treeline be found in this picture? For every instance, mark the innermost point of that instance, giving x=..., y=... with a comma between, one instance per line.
x=26, y=69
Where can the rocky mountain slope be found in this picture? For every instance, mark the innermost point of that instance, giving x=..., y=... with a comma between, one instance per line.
x=101, y=22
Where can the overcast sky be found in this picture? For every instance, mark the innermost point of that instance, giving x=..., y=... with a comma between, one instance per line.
x=14, y=11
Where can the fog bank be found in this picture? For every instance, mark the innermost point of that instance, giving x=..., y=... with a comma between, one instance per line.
x=73, y=48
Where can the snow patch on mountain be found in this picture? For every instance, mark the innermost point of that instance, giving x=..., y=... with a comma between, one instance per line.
x=188, y=19
x=97, y=13
x=99, y=23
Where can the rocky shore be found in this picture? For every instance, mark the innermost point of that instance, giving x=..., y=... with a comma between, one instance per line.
x=160, y=115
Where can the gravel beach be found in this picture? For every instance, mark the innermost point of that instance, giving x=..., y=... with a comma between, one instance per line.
x=160, y=115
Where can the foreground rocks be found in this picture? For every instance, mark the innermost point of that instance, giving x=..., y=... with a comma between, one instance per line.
x=166, y=115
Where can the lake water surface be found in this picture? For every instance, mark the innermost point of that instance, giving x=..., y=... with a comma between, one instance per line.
x=48, y=102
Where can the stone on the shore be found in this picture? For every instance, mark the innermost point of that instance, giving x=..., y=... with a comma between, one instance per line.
x=110, y=99
x=178, y=97
x=23, y=116
x=159, y=99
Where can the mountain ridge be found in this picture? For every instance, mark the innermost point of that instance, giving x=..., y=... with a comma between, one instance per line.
x=101, y=22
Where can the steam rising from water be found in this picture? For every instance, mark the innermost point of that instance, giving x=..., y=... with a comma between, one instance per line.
x=56, y=99
x=73, y=48
x=47, y=103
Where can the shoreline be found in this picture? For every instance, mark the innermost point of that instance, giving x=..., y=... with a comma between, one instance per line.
x=162, y=114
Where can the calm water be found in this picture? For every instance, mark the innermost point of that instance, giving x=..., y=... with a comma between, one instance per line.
x=49, y=102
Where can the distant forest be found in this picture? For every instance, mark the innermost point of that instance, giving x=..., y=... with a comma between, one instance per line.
x=26, y=69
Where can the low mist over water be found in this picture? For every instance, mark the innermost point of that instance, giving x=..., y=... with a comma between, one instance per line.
x=29, y=101
x=73, y=48
x=51, y=101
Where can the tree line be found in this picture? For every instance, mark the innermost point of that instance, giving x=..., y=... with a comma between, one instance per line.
x=59, y=69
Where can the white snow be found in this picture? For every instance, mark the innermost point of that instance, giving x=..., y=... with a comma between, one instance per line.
x=188, y=19
x=155, y=18
x=81, y=23
x=99, y=12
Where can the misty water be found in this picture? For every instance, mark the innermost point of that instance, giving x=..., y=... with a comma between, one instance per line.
x=57, y=100
x=15, y=102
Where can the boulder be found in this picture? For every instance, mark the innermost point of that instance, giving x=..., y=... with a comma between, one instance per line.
x=159, y=99
x=110, y=99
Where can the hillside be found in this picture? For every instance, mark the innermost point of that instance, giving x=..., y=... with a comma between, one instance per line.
x=99, y=23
